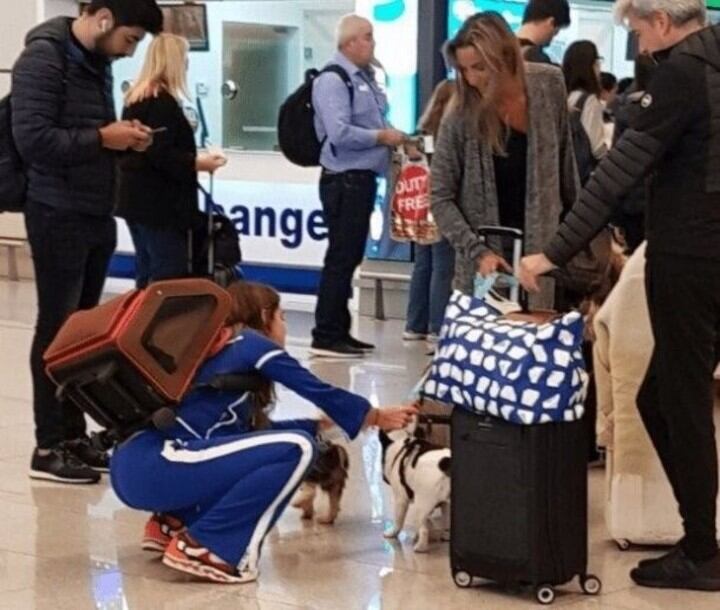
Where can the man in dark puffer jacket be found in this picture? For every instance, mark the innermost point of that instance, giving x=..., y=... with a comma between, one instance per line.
x=64, y=126
x=677, y=135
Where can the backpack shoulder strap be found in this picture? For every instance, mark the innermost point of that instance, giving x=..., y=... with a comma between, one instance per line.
x=581, y=101
x=342, y=73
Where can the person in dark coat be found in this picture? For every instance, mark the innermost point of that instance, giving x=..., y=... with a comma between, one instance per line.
x=676, y=137
x=157, y=189
x=64, y=126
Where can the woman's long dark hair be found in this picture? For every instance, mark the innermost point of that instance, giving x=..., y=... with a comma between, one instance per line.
x=254, y=306
x=579, y=67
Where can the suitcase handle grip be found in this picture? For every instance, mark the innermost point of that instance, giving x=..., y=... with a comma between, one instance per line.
x=517, y=236
x=491, y=231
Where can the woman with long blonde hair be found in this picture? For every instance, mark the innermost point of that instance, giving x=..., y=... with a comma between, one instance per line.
x=504, y=153
x=157, y=189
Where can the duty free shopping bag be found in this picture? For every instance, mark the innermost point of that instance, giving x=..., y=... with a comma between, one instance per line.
x=411, y=217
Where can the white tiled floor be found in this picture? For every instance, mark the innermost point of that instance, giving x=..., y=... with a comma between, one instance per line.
x=77, y=548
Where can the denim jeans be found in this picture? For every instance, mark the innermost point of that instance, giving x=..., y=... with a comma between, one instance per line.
x=430, y=287
x=71, y=253
x=347, y=201
x=160, y=253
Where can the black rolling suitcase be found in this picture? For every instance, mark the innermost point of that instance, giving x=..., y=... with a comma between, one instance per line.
x=214, y=244
x=519, y=504
x=519, y=497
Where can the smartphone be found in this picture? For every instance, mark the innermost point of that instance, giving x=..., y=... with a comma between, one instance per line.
x=158, y=130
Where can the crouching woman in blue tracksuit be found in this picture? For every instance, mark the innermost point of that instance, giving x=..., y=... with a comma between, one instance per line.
x=219, y=479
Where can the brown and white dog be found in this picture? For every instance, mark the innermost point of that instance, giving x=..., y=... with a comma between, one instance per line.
x=329, y=473
x=418, y=473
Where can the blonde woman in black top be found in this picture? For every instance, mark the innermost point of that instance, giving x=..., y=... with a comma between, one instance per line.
x=157, y=190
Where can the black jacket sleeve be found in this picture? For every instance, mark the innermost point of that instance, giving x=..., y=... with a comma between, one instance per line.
x=669, y=106
x=38, y=97
x=165, y=155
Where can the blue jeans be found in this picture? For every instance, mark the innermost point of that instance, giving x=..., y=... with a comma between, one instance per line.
x=347, y=201
x=160, y=254
x=430, y=287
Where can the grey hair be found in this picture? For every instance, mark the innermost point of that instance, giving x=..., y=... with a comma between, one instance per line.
x=348, y=28
x=679, y=11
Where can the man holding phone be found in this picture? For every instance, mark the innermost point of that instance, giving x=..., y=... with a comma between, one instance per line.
x=63, y=122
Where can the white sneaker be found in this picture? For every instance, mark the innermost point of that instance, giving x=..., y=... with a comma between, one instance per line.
x=433, y=338
x=411, y=336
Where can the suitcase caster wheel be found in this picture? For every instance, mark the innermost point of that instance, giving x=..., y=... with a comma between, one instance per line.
x=623, y=544
x=591, y=585
x=462, y=579
x=545, y=595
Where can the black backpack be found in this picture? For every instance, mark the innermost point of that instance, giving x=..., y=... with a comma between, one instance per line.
x=584, y=157
x=225, y=241
x=296, y=122
x=13, y=181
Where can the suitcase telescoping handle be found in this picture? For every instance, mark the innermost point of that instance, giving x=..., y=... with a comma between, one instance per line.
x=517, y=293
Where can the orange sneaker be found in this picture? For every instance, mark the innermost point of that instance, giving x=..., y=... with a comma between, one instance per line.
x=186, y=555
x=159, y=531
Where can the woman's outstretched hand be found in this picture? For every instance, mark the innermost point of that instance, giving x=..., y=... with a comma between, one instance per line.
x=391, y=418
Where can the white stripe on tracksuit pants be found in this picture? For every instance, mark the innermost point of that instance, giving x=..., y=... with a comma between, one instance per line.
x=228, y=490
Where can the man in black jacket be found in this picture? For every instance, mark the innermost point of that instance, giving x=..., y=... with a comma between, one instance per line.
x=677, y=137
x=542, y=21
x=64, y=125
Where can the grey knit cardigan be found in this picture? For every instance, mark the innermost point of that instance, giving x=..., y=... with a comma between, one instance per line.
x=464, y=195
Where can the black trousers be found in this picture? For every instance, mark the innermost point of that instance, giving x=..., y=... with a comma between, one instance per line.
x=347, y=200
x=676, y=397
x=71, y=253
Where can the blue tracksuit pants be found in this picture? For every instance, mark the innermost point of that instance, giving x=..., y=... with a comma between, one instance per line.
x=229, y=491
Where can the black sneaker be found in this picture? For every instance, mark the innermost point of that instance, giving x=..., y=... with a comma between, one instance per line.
x=677, y=571
x=361, y=345
x=84, y=450
x=61, y=465
x=646, y=562
x=337, y=349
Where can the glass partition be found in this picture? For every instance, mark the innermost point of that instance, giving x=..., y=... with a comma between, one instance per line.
x=257, y=60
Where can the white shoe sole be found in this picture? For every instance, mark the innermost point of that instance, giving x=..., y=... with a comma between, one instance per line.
x=326, y=353
x=206, y=572
x=39, y=475
x=153, y=547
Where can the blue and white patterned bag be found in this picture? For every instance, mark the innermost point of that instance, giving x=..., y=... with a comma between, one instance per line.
x=522, y=372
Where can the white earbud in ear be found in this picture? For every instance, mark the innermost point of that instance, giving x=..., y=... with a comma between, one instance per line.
x=104, y=26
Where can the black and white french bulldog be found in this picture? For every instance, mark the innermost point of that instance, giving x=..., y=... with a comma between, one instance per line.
x=418, y=473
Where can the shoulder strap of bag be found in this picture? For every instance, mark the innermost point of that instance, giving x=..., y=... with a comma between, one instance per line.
x=342, y=73
x=581, y=101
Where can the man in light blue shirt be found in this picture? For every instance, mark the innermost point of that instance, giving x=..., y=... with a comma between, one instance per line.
x=357, y=142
